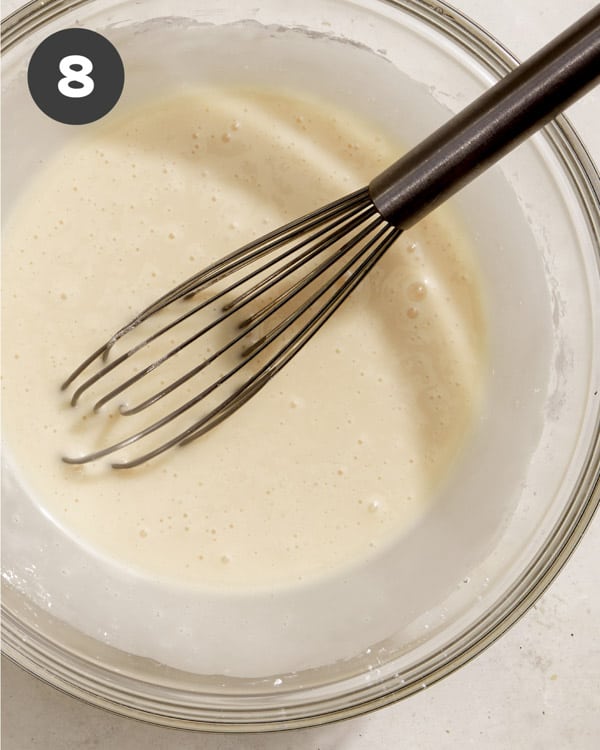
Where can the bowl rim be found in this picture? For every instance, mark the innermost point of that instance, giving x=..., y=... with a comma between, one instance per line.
x=44, y=658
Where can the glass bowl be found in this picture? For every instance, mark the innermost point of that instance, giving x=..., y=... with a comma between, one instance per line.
x=526, y=487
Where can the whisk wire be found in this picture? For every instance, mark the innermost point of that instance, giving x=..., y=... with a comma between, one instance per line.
x=191, y=287
x=385, y=240
x=338, y=231
x=248, y=325
x=215, y=272
x=381, y=240
x=252, y=386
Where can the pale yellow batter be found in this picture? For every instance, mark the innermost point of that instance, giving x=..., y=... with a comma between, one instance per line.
x=342, y=452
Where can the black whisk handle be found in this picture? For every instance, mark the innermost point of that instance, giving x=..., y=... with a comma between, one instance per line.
x=522, y=102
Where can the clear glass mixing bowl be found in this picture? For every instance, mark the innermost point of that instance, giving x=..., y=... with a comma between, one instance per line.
x=527, y=486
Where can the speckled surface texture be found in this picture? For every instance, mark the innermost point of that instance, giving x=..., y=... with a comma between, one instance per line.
x=537, y=687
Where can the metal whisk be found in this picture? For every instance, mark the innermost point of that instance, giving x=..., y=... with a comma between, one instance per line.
x=287, y=284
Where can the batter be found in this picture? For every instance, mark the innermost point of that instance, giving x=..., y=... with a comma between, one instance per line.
x=337, y=457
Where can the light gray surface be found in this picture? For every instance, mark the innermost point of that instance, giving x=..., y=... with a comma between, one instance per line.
x=538, y=687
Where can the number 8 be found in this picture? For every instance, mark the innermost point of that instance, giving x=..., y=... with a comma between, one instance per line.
x=80, y=76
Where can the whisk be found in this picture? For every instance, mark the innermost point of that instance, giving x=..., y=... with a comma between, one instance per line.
x=283, y=287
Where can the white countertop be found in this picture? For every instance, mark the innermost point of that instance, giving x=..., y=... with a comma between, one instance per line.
x=537, y=687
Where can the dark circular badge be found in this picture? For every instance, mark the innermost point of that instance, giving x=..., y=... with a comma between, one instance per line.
x=76, y=76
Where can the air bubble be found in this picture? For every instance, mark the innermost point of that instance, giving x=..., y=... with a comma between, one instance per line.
x=417, y=291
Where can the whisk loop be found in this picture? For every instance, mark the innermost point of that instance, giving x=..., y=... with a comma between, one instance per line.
x=342, y=241
x=300, y=274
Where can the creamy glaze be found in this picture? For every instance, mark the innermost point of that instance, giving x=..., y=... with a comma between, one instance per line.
x=344, y=450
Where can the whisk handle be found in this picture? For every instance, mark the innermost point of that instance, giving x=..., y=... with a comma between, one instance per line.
x=497, y=121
